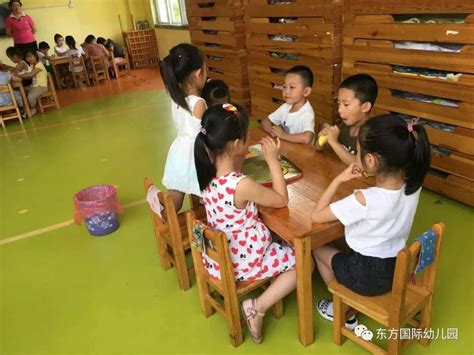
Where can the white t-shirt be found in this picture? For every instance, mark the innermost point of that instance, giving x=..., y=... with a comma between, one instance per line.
x=41, y=57
x=294, y=122
x=381, y=227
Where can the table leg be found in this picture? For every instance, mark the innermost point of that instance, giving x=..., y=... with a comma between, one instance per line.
x=304, y=290
x=26, y=105
x=56, y=75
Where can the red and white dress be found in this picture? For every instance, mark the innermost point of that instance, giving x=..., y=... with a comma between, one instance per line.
x=254, y=255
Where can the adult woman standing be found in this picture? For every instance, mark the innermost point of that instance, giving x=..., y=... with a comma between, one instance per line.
x=21, y=27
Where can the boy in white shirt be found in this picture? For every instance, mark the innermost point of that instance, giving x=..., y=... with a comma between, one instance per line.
x=294, y=120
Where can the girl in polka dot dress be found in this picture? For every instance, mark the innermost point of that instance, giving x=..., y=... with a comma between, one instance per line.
x=231, y=200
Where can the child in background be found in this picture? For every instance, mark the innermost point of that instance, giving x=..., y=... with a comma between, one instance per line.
x=74, y=51
x=294, y=120
x=231, y=200
x=378, y=219
x=355, y=98
x=184, y=73
x=21, y=66
x=40, y=80
x=61, y=47
x=215, y=92
x=44, y=57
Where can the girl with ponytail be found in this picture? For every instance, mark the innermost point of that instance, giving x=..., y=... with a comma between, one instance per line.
x=184, y=74
x=231, y=200
x=377, y=220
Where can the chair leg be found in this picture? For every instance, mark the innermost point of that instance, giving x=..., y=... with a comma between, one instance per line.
x=40, y=104
x=181, y=268
x=394, y=346
x=1, y=121
x=277, y=309
x=163, y=252
x=425, y=321
x=234, y=325
x=204, y=292
x=339, y=320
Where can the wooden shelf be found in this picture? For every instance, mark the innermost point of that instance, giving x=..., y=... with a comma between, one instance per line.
x=142, y=47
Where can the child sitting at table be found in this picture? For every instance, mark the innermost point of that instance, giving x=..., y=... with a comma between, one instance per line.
x=61, y=47
x=215, y=92
x=21, y=66
x=43, y=55
x=355, y=99
x=378, y=219
x=294, y=120
x=40, y=80
x=231, y=199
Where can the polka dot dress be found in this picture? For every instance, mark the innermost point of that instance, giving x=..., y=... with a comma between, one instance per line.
x=254, y=255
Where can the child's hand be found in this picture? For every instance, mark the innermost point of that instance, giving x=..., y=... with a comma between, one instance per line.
x=333, y=134
x=353, y=171
x=270, y=149
x=276, y=131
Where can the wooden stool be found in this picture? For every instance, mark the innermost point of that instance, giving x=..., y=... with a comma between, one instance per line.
x=226, y=288
x=49, y=98
x=396, y=308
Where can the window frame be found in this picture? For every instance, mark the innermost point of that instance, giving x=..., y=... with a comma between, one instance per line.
x=170, y=23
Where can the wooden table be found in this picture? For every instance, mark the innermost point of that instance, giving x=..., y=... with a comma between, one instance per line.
x=294, y=224
x=58, y=61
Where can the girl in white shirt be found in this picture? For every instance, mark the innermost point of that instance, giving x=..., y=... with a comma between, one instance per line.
x=377, y=220
x=184, y=73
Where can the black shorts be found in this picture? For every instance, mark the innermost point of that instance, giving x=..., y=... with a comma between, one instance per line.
x=365, y=275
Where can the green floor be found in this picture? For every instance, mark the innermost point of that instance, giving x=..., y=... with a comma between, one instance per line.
x=64, y=292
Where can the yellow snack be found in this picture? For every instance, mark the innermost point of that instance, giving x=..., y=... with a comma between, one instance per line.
x=322, y=140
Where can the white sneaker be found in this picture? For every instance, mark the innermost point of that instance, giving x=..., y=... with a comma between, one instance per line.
x=326, y=310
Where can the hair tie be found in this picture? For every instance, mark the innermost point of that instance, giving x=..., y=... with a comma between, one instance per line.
x=414, y=121
x=230, y=108
x=203, y=131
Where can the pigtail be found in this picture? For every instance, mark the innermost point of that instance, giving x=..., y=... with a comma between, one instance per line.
x=171, y=82
x=205, y=168
x=421, y=160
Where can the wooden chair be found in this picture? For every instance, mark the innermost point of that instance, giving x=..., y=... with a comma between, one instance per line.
x=395, y=309
x=121, y=68
x=10, y=111
x=171, y=237
x=78, y=70
x=222, y=295
x=49, y=98
x=99, y=69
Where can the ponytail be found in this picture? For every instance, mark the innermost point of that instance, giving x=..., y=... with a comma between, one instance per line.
x=176, y=68
x=221, y=124
x=420, y=162
x=205, y=168
x=399, y=152
x=171, y=83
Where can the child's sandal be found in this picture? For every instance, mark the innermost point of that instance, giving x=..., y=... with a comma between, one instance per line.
x=250, y=312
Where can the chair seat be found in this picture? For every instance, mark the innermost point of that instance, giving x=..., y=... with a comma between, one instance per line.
x=378, y=307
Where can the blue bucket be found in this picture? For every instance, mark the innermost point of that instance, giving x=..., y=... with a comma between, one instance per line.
x=102, y=223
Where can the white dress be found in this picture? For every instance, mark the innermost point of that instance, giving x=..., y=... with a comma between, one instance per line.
x=180, y=171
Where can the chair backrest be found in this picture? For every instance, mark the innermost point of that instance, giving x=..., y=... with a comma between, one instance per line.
x=168, y=223
x=5, y=89
x=216, y=247
x=76, y=63
x=98, y=63
x=407, y=260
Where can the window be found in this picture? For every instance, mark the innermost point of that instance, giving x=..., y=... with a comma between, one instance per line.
x=170, y=12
